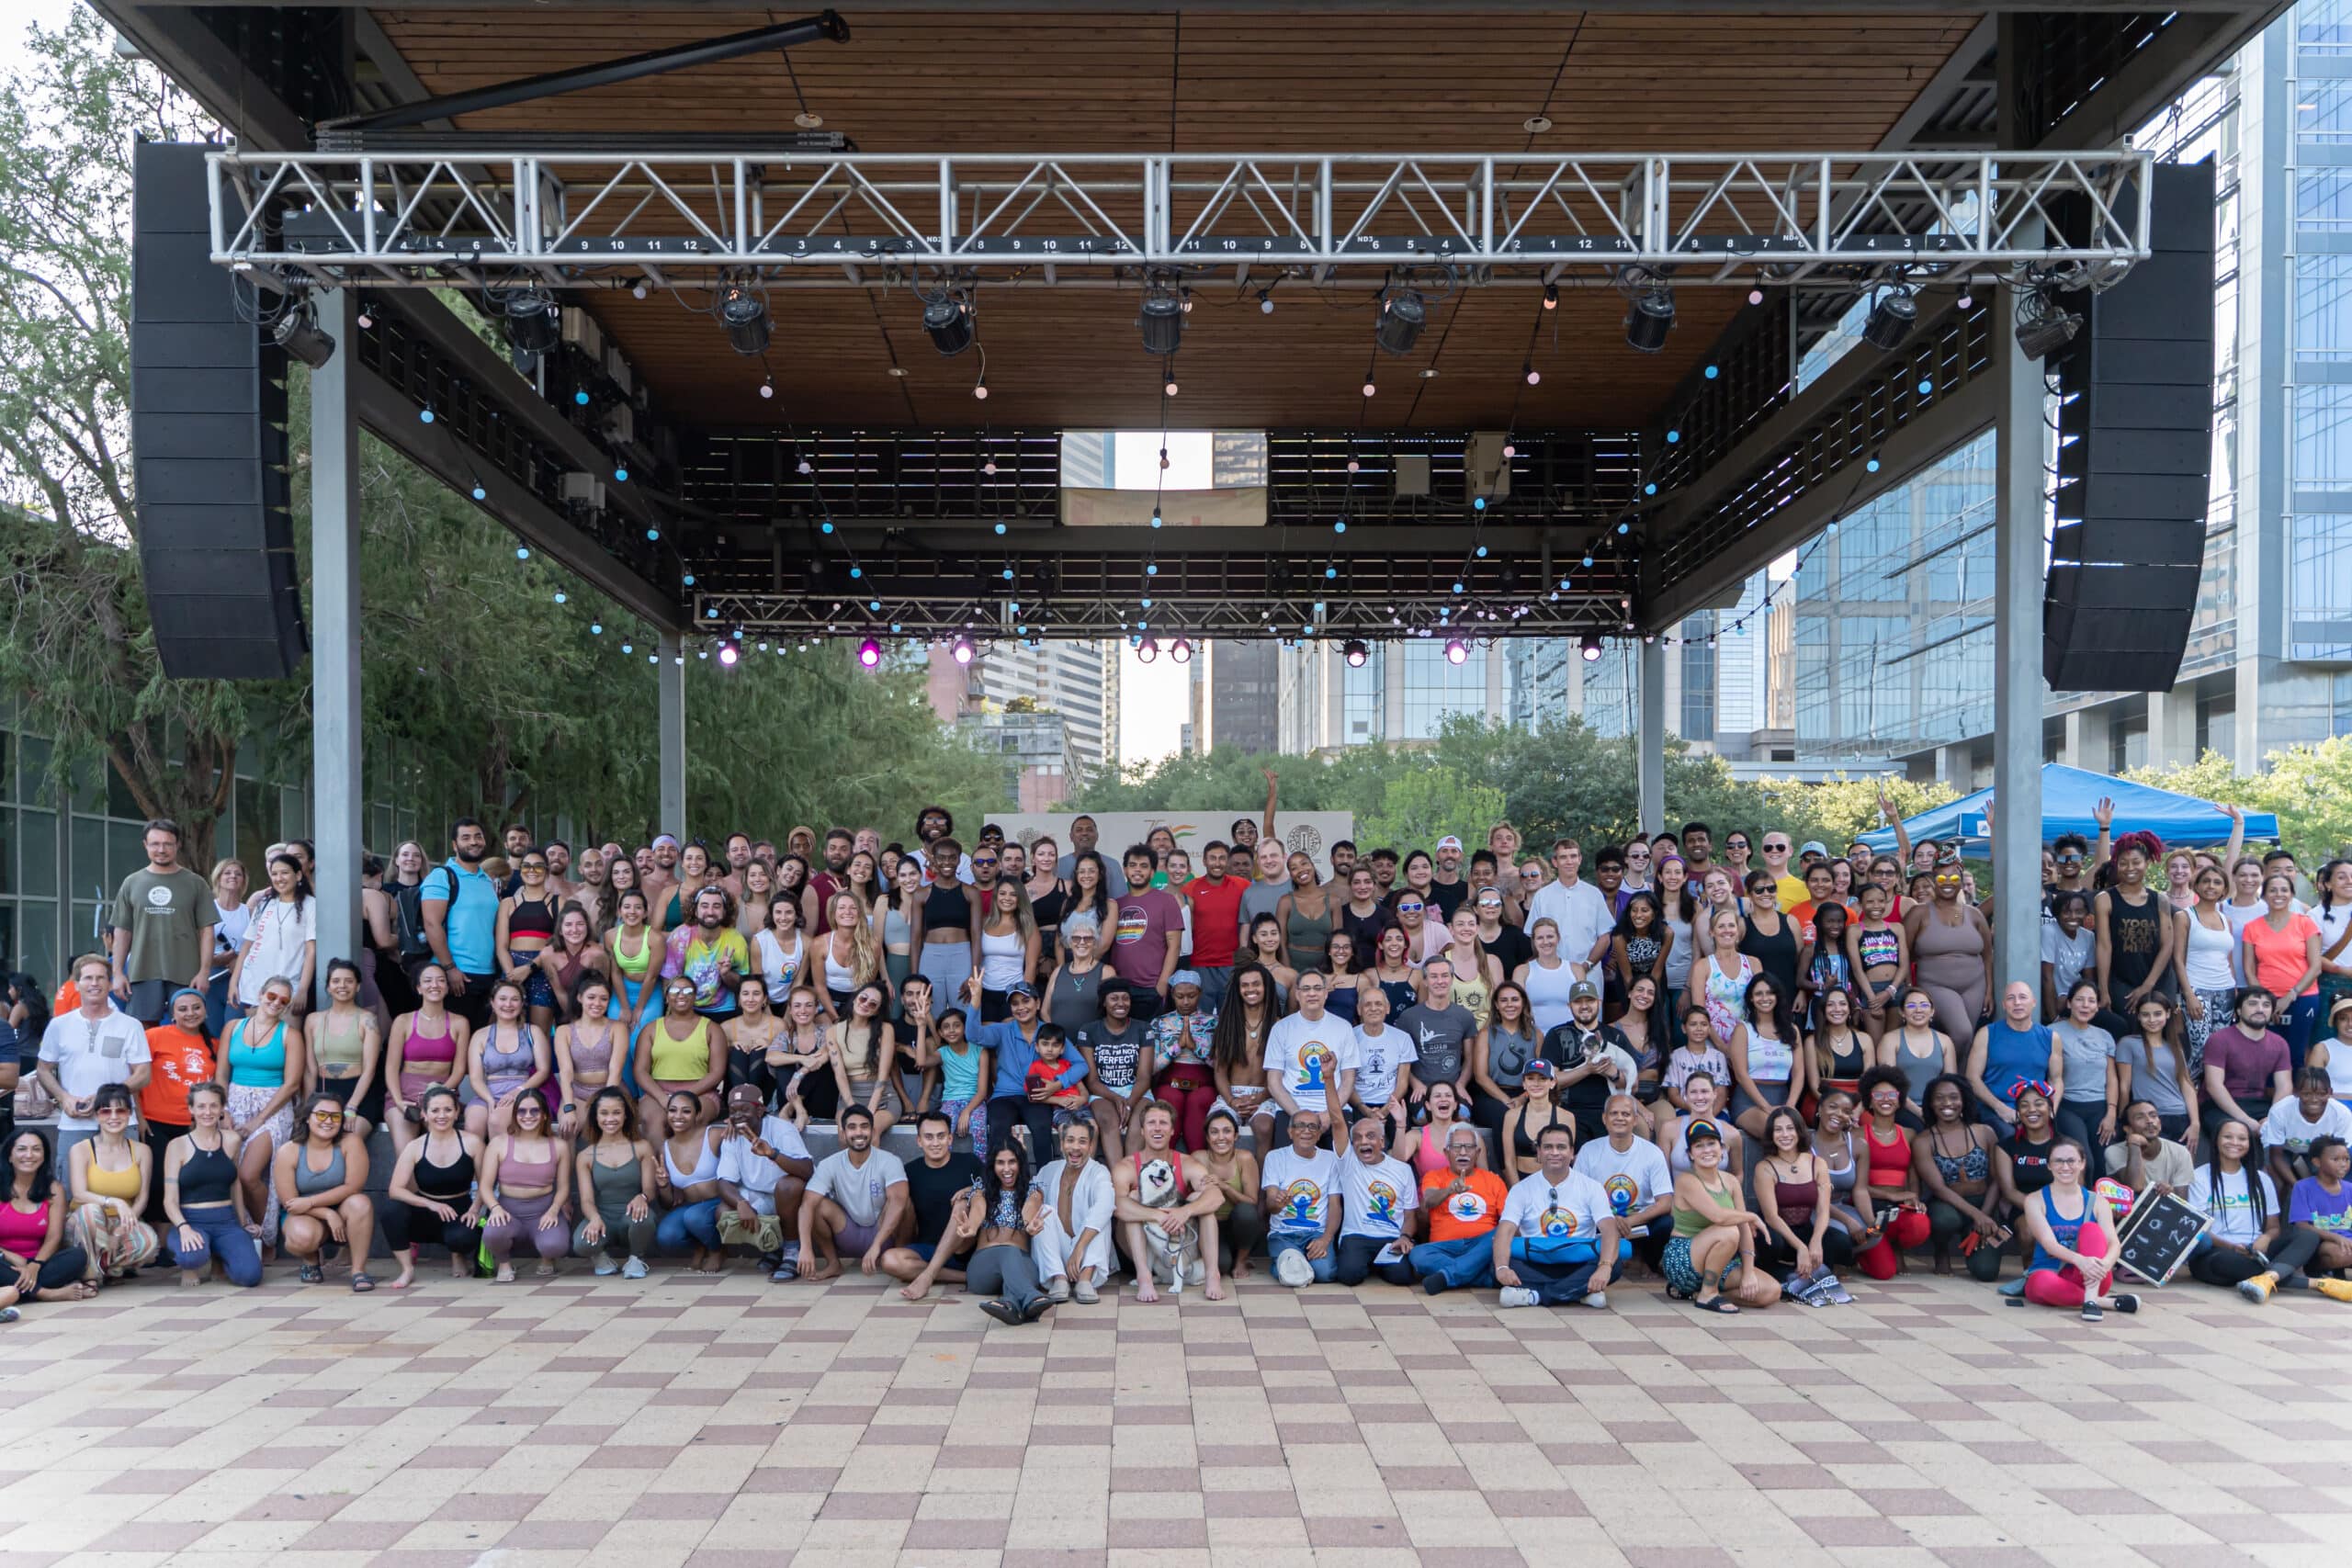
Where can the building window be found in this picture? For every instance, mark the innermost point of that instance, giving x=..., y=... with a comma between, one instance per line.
x=1365, y=699
x=2323, y=110
x=1436, y=689
x=2324, y=308
x=1698, y=720
x=2323, y=26
x=2323, y=437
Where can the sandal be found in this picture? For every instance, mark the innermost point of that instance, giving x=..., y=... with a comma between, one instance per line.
x=1717, y=1304
x=312, y=1274
x=9, y=1314
x=361, y=1283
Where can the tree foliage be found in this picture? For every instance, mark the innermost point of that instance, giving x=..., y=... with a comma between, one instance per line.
x=2310, y=788
x=1564, y=780
x=481, y=692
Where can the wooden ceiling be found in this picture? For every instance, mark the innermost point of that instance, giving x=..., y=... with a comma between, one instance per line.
x=1268, y=81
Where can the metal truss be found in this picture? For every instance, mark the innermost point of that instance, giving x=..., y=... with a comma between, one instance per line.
x=482, y=213
x=756, y=617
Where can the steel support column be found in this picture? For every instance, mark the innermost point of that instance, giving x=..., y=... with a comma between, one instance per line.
x=670, y=721
x=335, y=632
x=2018, y=693
x=1650, y=743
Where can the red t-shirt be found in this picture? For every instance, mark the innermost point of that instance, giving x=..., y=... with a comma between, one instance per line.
x=1217, y=919
x=1139, y=945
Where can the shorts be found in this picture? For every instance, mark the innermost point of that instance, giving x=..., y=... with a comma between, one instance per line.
x=151, y=1000
x=539, y=991
x=853, y=1237
x=1682, y=1275
x=924, y=1249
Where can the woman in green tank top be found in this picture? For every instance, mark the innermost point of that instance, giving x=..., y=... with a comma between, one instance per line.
x=1710, y=1260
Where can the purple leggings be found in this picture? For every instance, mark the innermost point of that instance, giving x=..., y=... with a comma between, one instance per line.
x=522, y=1227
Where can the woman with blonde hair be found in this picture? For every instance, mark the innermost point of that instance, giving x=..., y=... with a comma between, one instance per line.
x=847, y=953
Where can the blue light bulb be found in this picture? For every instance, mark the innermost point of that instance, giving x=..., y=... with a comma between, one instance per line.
x=826, y=526
x=620, y=476
x=595, y=629
x=1478, y=505
x=581, y=397
x=480, y=493
x=1330, y=572
x=857, y=572
x=1000, y=528
x=425, y=416
x=1713, y=372
x=522, y=552
x=653, y=532
x=1008, y=574
x=1482, y=552
x=1925, y=386
x=688, y=580
x=1152, y=568
x=1341, y=526
x=1672, y=436
x=559, y=595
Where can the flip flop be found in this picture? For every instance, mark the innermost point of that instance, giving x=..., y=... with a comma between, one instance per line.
x=1718, y=1304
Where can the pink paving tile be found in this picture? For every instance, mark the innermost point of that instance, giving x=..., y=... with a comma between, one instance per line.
x=958, y=1535
x=1426, y=1478
x=974, y=1456
x=1791, y=1478
x=1245, y=1456
x=1250, y=1505
x=638, y=1456
x=833, y=1415
x=354, y=1535
x=903, y=1436
x=870, y=1505
x=1556, y=1504
x=1572, y=1456
x=1155, y=1478
x=1649, y=1431
x=1345, y=1532
x=1325, y=1432
x=496, y=1506
x=1162, y=1535
x=152, y=1535
x=547, y=1535
x=589, y=1436
x=155, y=1437
x=1833, y=1531
x=1912, y=1502
x=148, y=1482
x=312, y=1506
x=703, y=1505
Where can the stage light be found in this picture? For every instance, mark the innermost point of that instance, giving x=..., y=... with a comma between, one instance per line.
x=1756, y=296
x=1891, y=320
x=1369, y=389
x=745, y=316
x=1591, y=647
x=1967, y=300
x=1181, y=651
x=1356, y=651
x=1402, y=316
x=299, y=333
x=980, y=385
x=869, y=653
x=2043, y=325
x=949, y=322
x=1162, y=320
x=961, y=650
x=1649, y=321
x=1550, y=295
x=1456, y=650
x=533, y=326
x=1147, y=650
x=640, y=291
x=365, y=320
x=767, y=386
x=1533, y=373
x=1170, y=388
x=729, y=652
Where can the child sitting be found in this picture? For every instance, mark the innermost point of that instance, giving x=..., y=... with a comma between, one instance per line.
x=1696, y=1054
x=1055, y=1069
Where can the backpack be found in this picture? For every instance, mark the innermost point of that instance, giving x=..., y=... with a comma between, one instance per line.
x=407, y=921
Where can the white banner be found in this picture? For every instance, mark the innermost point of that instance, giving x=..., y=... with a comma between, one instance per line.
x=1313, y=831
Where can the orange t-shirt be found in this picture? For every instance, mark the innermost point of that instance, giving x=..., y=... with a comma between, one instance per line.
x=182, y=1060
x=1471, y=1211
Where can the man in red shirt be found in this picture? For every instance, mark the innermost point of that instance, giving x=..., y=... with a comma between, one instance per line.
x=1463, y=1203
x=1214, y=899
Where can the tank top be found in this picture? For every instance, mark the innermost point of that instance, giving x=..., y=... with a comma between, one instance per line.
x=1841, y=1165
x=959, y=1073
x=1075, y=999
x=105, y=1183
x=1000, y=958
x=2133, y=936
x=1508, y=1054
x=423, y=1047
x=1846, y=1066
x=1775, y=955
x=839, y=979
x=207, y=1177
x=1917, y=1071
x=946, y=907
x=1341, y=1003
x=1679, y=956
x=705, y=1163
x=897, y=933
x=1309, y=937
x=340, y=1045
x=510, y=1067
x=673, y=1060
x=256, y=1066
x=2067, y=1232
x=1974, y=1166
x=1399, y=994
x=2340, y=1069
x=531, y=917
x=1523, y=1141
x=1891, y=1161
x=1770, y=1061
x=615, y=1185
x=309, y=1183
x=1880, y=948
x=2213, y=952
x=23, y=1232
x=779, y=970
x=2029, y=1162
x=1547, y=994
x=1476, y=995
x=1688, y=1222
x=1429, y=1155
x=1794, y=1197
x=2013, y=1056
x=1727, y=993
x=517, y=1173
x=450, y=1183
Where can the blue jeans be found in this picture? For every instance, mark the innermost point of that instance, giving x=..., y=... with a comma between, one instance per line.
x=1213, y=981
x=217, y=1235
x=694, y=1225
x=1463, y=1264
x=1280, y=1242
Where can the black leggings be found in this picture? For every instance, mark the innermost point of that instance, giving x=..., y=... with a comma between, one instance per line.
x=1947, y=1226
x=61, y=1269
x=404, y=1225
x=1777, y=1257
x=1352, y=1262
x=1237, y=1236
x=2227, y=1268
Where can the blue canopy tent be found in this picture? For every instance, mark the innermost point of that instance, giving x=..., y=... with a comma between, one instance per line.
x=2067, y=796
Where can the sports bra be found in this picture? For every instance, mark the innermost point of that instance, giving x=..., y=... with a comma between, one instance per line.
x=1879, y=949
x=257, y=1067
x=1974, y=1165
x=309, y=1183
x=451, y=1183
x=207, y=1177
x=671, y=1060
x=1794, y=1197
x=1523, y=1146
x=105, y=1183
x=423, y=1047
x=341, y=1047
x=1841, y=1177
x=592, y=1058
x=1890, y=1162
x=1430, y=1154
x=515, y=1065
x=705, y=1163
x=517, y=1173
x=633, y=966
x=946, y=907
x=531, y=917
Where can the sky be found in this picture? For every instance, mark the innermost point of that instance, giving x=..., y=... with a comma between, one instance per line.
x=1155, y=699
x=18, y=16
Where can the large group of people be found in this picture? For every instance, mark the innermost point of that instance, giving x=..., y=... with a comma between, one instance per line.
x=1753, y=1069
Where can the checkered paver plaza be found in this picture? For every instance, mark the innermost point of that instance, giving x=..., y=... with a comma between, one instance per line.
x=691, y=1421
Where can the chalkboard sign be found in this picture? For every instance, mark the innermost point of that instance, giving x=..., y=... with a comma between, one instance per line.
x=2159, y=1235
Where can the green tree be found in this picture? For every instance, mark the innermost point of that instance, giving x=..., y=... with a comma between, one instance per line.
x=1422, y=805
x=2310, y=788
x=76, y=653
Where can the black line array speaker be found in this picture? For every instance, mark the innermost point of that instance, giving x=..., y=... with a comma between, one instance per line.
x=2136, y=431
x=208, y=441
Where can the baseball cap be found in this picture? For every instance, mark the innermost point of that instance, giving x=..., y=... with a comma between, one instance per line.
x=1448, y=843
x=1184, y=977
x=1022, y=988
x=1538, y=1068
x=1813, y=847
x=1584, y=990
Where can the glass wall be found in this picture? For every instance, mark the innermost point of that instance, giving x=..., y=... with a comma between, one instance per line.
x=1435, y=689
x=2319, y=438
x=1363, y=699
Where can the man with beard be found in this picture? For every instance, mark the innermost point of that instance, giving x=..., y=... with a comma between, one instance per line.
x=1167, y=1205
x=1086, y=834
x=711, y=952
x=856, y=1203
x=1447, y=890
x=662, y=880
x=934, y=1183
x=1464, y=1203
x=460, y=906
x=739, y=855
x=840, y=844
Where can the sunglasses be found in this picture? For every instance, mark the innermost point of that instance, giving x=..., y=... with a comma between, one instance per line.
x=326, y=1115
x=534, y=865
